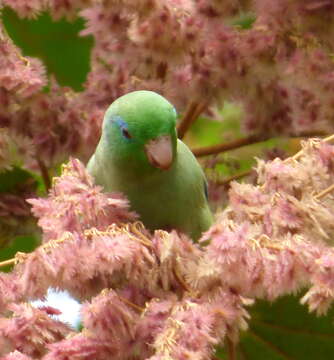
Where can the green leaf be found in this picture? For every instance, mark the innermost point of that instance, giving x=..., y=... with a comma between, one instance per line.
x=205, y=132
x=24, y=244
x=10, y=179
x=18, y=230
x=244, y=21
x=57, y=44
x=285, y=330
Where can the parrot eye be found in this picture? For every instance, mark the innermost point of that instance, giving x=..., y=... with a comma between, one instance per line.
x=126, y=133
x=122, y=125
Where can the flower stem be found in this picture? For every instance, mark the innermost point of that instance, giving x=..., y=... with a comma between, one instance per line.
x=130, y=303
x=7, y=262
x=325, y=192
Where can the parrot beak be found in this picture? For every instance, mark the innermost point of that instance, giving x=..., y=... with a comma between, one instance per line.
x=159, y=152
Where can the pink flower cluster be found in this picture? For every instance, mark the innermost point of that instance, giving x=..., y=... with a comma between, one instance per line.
x=75, y=204
x=186, y=50
x=89, y=249
x=28, y=330
x=278, y=234
x=157, y=296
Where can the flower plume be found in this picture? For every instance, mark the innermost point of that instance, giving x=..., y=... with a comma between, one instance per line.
x=85, y=205
x=160, y=295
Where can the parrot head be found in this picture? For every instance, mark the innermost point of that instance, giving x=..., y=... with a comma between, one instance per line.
x=139, y=128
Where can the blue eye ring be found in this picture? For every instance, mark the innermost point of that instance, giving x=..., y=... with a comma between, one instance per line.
x=123, y=126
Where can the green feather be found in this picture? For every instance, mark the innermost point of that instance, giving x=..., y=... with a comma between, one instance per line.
x=173, y=198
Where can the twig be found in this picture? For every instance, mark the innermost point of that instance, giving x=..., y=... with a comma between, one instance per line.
x=181, y=281
x=193, y=111
x=329, y=138
x=249, y=140
x=137, y=229
x=130, y=303
x=127, y=229
x=299, y=153
x=216, y=149
x=324, y=192
x=19, y=256
x=231, y=349
x=8, y=262
x=161, y=70
x=200, y=108
x=44, y=173
x=227, y=180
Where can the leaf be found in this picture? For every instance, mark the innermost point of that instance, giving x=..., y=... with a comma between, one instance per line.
x=15, y=228
x=285, y=330
x=64, y=53
x=204, y=131
x=10, y=179
x=244, y=21
x=20, y=243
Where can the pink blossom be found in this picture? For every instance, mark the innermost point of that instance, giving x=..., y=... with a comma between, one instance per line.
x=29, y=330
x=109, y=317
x=320, y=296
x=67, y=8
x=82, y=348
x=22, y=75
x=16, y=355
x=273, y=236
x=76, y=204
x=26, y=8
x=10, y=291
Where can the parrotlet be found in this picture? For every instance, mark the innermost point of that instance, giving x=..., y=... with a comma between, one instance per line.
x=139, y=155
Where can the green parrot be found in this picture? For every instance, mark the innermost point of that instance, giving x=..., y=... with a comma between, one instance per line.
x=139, y=155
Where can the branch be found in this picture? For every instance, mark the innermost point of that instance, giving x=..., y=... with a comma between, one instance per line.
x=327, y=139
x=133, y=230
x=161, y=70
x=19, y=257
x=324, y=192
x=130, y=303
x=227, y=180
x=249, y=140
x=231, y=349
x=192, y=113
x=242, y=174
x=44, y=173
x=216, y=149
x=7, y=262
